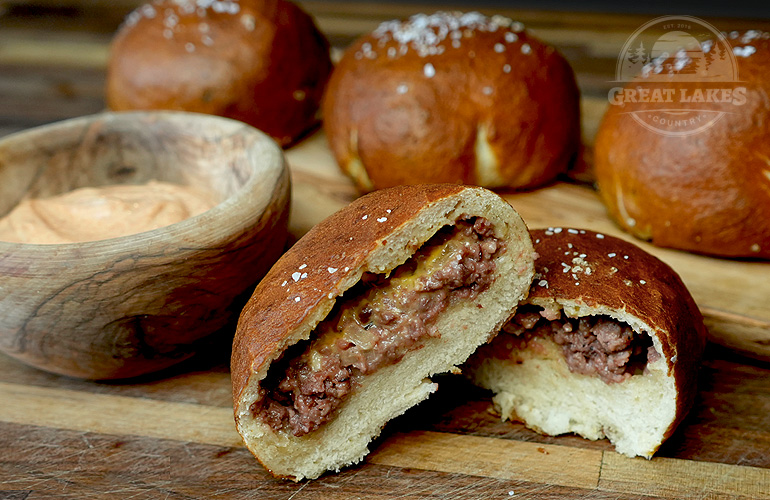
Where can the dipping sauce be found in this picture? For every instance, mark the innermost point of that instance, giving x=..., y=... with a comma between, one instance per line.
x=98, y=213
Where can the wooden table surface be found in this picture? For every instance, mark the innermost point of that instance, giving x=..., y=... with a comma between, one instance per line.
x=172, y=436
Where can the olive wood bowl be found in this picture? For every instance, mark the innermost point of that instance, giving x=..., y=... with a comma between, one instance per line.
x=135, y=304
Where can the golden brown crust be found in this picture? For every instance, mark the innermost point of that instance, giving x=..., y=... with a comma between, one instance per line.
x=315, y=266
x=413, y=116
x=601, y=270
x=708, y=192
x=263, y=62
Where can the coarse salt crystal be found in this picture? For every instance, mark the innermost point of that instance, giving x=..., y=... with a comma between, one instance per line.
x=744, y=51
x=296, y=276
x=600, y=236
x=303, y=266
x=750, y=35
x=331, y=270
x=382, y=219
x=526, y=49
x=429, y=70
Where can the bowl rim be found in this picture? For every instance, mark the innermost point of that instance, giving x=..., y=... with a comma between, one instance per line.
x=203, y=230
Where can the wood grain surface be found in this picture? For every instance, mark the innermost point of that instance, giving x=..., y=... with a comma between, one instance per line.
x=123, y=307
x=172, y=435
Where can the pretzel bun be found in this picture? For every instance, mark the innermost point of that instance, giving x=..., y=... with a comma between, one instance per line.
x=626, y=366
x=369, y=259
x=707, y=192
x=262, y=62
x=452, y=97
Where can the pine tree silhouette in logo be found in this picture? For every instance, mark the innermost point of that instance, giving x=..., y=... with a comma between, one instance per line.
x=722, y=52
x=642, y=56
x=708, y=57
x=636, y=59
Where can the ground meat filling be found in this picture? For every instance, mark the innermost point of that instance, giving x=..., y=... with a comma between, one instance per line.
x=375, y=324
x=592, y=345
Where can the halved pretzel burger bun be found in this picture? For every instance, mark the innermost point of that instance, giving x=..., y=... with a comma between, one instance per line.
x=607, y=344
x=344, y=332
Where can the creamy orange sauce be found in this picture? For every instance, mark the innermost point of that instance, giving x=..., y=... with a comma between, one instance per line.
x=97, y=213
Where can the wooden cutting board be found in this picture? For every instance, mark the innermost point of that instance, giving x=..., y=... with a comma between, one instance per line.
x=173, y=437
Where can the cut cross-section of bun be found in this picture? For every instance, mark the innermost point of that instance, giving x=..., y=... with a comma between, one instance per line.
x=607, y=344
x=344, y=332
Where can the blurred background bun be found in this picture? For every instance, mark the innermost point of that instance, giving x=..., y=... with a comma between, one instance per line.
x=707, y=192
x=452, y=97
x=263, y=62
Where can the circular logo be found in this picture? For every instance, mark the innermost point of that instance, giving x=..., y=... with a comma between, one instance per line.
x=680, y=75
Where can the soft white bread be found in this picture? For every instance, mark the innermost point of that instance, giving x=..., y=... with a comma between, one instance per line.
x=375, y=234
x=585, y=274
